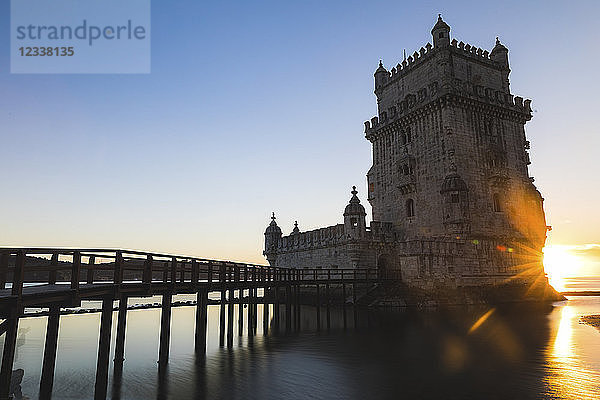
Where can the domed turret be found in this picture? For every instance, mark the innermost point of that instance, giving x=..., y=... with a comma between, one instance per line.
x=441, y=33
x=272, y=236
x=354, y=217
x=499, y=53
x=381, y=75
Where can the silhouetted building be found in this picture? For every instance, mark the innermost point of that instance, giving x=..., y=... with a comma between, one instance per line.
x=452, y=200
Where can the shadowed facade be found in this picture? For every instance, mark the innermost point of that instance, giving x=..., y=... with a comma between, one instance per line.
x=453, y=205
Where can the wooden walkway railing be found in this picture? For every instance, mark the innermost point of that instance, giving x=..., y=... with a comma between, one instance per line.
x=60, y=277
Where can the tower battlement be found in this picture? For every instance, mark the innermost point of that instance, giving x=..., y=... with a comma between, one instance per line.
x=413, y=101
x=427, y=51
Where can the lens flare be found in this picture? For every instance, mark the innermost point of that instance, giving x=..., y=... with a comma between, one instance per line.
x=560, y=264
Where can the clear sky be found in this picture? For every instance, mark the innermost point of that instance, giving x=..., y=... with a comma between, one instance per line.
x=253, y=107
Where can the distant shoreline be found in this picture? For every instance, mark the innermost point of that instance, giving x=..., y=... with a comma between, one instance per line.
x=582, y=293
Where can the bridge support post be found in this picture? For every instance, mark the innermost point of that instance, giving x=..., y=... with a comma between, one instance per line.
x=276, y=308
x=241, y=312
x=328, y=306
x=318, y=308
x=222, y=318
x=344, y=305
x=298, y=307
x=103, y=349
x=230, y=318
x=201, y=318
x=251, y=312
x=354, y=309
x=165, y=330
x=121, y=328
x=254, y=306
x=288, y=308
x=49, y=362
x=265, y=312
x=8, y=356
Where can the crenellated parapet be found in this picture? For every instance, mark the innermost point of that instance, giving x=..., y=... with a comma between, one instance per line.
x=412, y=61
x=427, y=52
x=322, y=237
x=334, y=236
x=413, y=101
x=474, y=52
x=404, y=107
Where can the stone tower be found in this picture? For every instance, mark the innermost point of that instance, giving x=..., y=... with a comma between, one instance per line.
x=455, y=212
x=449, y=148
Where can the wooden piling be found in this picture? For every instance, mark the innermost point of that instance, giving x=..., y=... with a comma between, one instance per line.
x=103, y=349
x=265, y=313
x=121, y=328
x=8, y=356
x=230, y=318
x=298, y=307
x=222, y=318
x=241, y=312
x=344, y=305
x=328, y=306
x=201, y=319
x=50, y=346
x=288, y=308
x=4, y=256
x=354, y=306
x=276, y=310
x=318, y=308
x=165, y=330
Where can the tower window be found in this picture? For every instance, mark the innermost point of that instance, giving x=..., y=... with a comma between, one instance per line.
x=441, y=35
x=354, y=222
x=497, y=207
x=454, y=197
x=410, y=208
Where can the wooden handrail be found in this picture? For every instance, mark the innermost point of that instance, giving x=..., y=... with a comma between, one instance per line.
x=140, y=266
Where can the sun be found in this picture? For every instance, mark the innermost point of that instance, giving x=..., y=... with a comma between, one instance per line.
x=560, y=264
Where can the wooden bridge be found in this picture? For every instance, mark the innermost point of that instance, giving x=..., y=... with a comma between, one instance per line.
x=54, y=278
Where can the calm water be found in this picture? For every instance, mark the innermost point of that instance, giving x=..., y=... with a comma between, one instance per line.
x=512, y=355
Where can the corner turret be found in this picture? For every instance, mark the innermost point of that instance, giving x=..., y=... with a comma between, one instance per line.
x=381, y=76
x=441, y=33
x=500, y=53
x=354, y=217
x=272, y=237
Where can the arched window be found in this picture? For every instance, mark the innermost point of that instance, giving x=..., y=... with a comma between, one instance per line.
x=410, y=208
x=496, y=200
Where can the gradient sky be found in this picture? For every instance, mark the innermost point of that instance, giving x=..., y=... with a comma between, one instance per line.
x=253, y=107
